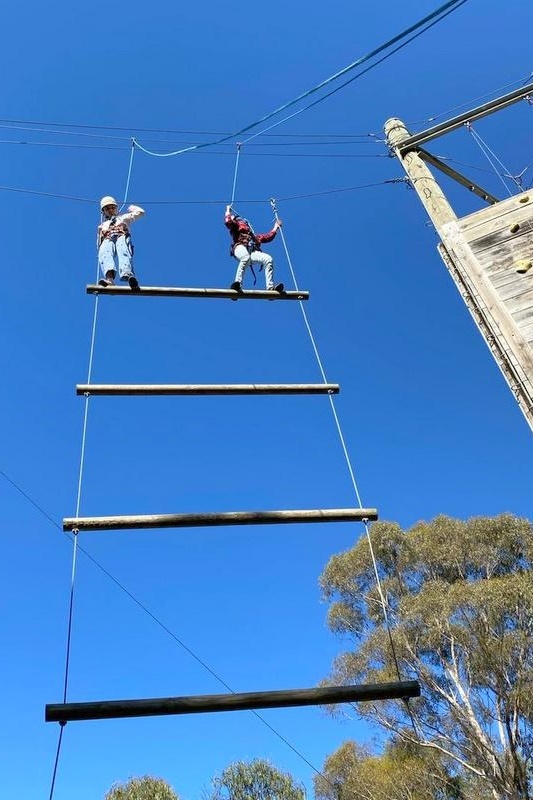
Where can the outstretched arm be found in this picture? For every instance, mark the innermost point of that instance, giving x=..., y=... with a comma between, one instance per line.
x=267, y=237
x=133, y=213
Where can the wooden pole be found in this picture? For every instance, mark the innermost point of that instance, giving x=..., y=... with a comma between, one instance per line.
x=422, y=180
x=449, y=125
x=218, y=519
x=207, y=389
x=170, y=291
x=198, y=704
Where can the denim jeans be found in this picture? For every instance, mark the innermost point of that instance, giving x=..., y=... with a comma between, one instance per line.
x=113, y=255
x=257, y=257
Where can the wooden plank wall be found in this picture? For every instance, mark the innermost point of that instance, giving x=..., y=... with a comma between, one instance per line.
x=482, y=254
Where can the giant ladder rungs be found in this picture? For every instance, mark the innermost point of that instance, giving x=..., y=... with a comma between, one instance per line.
x=245, y=701
x=170, y=291
x=206, y=388
x=286, y=517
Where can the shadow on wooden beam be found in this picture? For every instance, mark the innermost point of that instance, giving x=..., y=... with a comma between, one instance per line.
x=200, y=704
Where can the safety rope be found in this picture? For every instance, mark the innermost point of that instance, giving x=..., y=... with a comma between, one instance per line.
x=235, y=173
x=491, y=157
x=343, y=444
x=440, y=13
x=78, y=505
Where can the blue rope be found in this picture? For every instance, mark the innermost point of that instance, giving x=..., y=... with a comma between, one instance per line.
x=359, y=75
x=436, y=15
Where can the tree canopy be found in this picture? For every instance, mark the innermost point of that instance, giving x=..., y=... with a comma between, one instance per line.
x=402, y=772
x=255, y=780
x=459, y=599
x=145, y=788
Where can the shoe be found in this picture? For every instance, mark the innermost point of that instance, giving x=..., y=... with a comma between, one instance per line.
x=279, y=287
x=105, y=282
x=133, y=282
x=237, y=287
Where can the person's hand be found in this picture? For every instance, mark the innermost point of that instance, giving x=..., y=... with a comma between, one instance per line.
x=278, y=224
x=228, y=209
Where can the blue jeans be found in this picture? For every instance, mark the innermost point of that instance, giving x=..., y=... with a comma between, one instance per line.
x=113, y=255
x=257, y=257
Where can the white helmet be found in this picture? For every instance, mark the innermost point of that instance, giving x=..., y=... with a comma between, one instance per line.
x=107, y=201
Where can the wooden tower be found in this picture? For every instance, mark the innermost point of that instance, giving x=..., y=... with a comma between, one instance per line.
x=489, y=253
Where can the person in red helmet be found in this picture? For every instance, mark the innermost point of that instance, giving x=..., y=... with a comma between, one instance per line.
x=115, y=249
x=246, y=248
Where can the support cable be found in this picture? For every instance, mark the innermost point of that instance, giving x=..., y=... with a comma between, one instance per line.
x=436, y=16
x=78, y=505
x=343, y=445
x=157, y=621
x=491, y=157
x=355, y=77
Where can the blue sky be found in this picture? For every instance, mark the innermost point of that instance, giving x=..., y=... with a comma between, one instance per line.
x=429, y=422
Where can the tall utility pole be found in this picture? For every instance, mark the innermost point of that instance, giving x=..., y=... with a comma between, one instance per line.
x=489, y=253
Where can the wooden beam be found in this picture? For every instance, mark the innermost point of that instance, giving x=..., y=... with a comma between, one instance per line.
x=452, y=124
x=217, y=519
x=225, y=294
x=423, y=182
x=245, y=701
x=207, y=389
x=457, y=176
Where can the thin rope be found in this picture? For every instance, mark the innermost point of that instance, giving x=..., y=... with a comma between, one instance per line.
x=155, y=619
x=208, y=202
x=343, y=445
x=128, y=179
x=355, y=77
x=78, y=505
x=235, y=173
x=56, y=760
x=491, y=158
x=439, y=13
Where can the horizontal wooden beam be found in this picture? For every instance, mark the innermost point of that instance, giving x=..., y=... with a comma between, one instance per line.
x=206, y=388
x=467, y=116
x=225, y=294
x=245, y=701
x=217, y=519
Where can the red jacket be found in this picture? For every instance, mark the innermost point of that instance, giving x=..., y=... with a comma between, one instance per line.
x=241, y=233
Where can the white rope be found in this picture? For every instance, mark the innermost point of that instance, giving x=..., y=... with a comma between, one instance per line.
x=487, y=152
x=343, y=445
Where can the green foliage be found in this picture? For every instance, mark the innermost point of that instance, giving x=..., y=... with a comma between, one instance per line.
x=460, y=599
x=255, y=780
x=145, y=788
x=402, y=772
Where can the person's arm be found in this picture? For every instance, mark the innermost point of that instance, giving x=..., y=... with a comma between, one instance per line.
x=133, y=213
x=229, y=219
x=267, y=237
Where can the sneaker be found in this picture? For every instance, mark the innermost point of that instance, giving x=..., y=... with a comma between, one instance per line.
x=106, y=282
x=279, y=287
x=133, y=282
x=236, y=286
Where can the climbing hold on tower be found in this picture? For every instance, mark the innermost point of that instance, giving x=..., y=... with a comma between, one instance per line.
x=515, y=228
x=523, y=265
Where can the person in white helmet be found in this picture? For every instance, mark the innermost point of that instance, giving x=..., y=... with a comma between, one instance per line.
x=115, y=248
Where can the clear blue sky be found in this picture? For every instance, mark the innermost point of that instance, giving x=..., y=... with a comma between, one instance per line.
x=429, y=422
